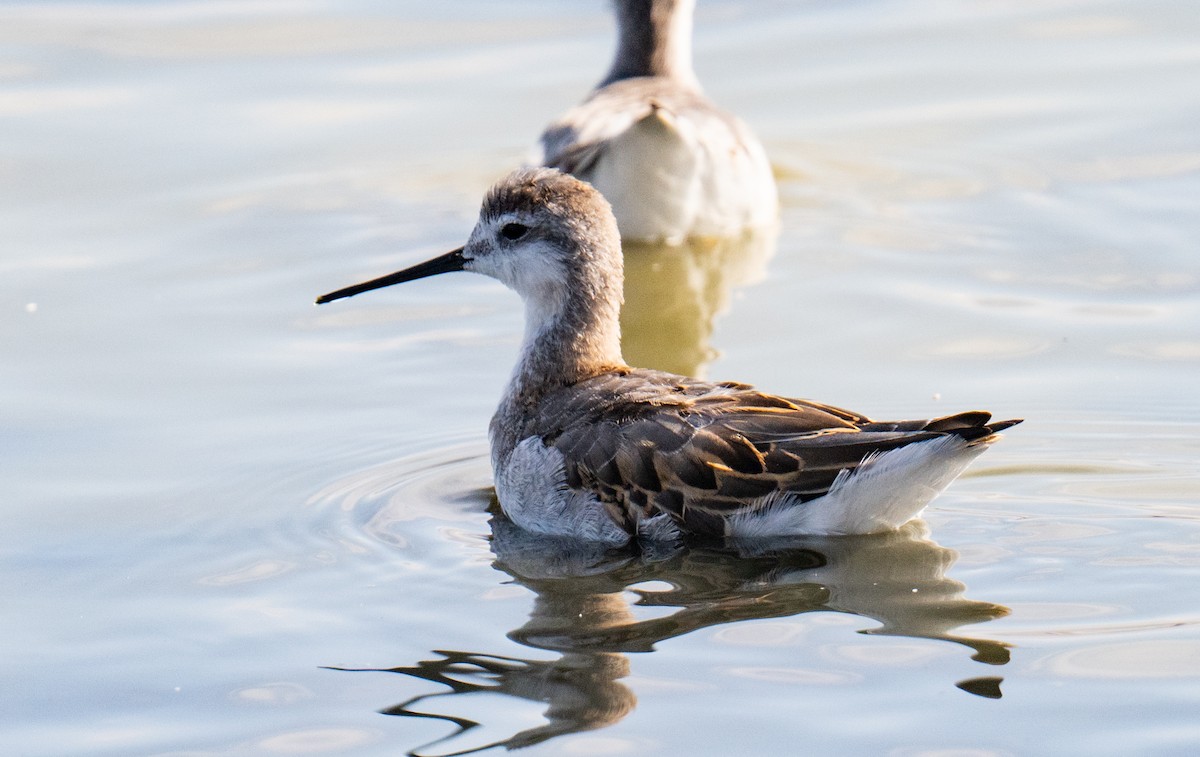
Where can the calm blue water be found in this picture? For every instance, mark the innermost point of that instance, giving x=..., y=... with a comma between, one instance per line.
x=238, y=524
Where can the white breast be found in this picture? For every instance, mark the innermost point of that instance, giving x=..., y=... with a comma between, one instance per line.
x=531, y=485
x=533, y=493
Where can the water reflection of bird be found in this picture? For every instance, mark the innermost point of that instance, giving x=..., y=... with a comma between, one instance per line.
x=672, y=164
x=582, y=613
x=673, y=293
x=585, y=446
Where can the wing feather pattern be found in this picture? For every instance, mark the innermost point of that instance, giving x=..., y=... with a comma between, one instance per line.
x=646, y=443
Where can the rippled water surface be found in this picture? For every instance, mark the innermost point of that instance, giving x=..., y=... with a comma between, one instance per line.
x=238, y=524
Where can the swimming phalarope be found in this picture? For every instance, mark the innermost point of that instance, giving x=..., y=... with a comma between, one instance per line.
x=587, y=447
x=672, y=164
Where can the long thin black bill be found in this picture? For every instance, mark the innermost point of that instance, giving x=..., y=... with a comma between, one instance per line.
x=451, y=261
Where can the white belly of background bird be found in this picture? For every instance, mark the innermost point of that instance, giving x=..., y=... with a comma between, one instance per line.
x=586, y=447
x=671, y=163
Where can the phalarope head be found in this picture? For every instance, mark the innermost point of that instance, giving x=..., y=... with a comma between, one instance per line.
x=540, y=232
x=552, y=239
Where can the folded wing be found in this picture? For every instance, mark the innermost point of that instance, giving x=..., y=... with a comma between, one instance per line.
x=703, y=452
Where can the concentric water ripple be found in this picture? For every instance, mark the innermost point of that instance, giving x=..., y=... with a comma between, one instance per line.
x=446, y=489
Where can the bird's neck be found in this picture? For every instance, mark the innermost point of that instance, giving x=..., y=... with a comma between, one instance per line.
x=655, y=39
x=560, y=349
x=566, y=344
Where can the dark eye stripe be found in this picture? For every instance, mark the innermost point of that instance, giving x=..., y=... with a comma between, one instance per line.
x=513, y=230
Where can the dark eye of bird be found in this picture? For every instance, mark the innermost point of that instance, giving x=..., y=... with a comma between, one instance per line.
x=513, y=230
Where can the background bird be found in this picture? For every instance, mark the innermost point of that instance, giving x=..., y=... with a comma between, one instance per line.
x=671, y=163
